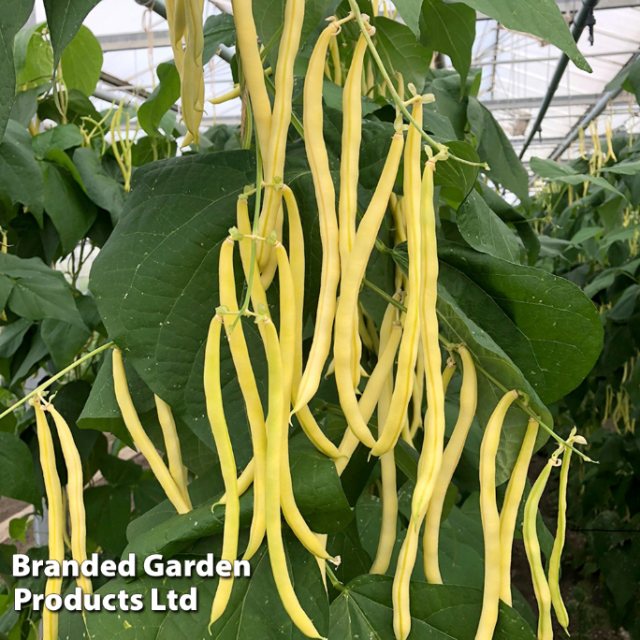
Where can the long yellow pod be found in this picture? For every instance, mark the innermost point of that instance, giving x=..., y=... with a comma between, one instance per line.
x=349, y=174
x=561, y=529
x=140, y=438
x=353, y=273
x=177, y=21
x=510, y=507
x=274, y=154
x=252, y=70
x=388, y=528
x=288, y=347
x=411, y=336
x=75, y=493
x=334, y=50
x=249, y=388
x=220, y=431
x=326, y=201
x=452, y=453
x=491, y=518
x=276, y=430
x=172, y=446
x=532, y=549
x=433, y=444
x=370, y=395
x=56, y=523
x=259, y=299
x=192, y=77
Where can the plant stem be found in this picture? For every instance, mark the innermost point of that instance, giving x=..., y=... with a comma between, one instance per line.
x=56, y=377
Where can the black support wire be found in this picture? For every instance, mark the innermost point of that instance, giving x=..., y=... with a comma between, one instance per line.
x=583, y=19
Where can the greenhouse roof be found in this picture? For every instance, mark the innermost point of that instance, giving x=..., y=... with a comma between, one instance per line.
x=516, y=69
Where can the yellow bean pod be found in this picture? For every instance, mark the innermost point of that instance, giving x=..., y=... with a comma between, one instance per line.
x=510, y=507
x=56, y=520
x=491, y=518
x=75, y=493
x=452, y=453
x=220, y=431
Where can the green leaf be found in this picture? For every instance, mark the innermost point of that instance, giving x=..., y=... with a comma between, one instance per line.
x=218, y=29
x=495, y=148
x=438, y=612
x=541, y=18
x=409, y=11
x=108, y=512
x=627, y=168
x=38, y=291
x=82, y=62
x=13, y=15
x=18, y=528
x=457, y=179
x=99, y=184
x=17, y=475
x=550, y=169
x=33, y=58
x=63, y=340
x=254, y=612
x=64, y=18
x=449, y=29
x=400, y=52
x=156, y=286
x=484, y=230
x=11, y=336
x=559, y=321
x=20, y=175
x=62, y=137
x=163, y=97
x=68, y=207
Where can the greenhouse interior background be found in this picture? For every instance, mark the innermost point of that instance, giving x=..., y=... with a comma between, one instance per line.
x=516, y=71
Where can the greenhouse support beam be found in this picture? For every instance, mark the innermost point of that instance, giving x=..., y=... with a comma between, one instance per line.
x=592, y=113
x=578, y=27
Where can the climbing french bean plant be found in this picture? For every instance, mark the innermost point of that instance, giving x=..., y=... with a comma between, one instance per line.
x=324, y=332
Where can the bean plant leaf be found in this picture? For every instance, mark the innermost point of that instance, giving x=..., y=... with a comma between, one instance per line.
x=495, y=148
x=13, y=15
x=64, y=18
x=409, y=11
x=20, y=175
x=156, y=286
x=37, y=291
x=449, y=29
x=542, y=19
x=485, y=231
x=17, y=475
x=400, y=52
x=438, y=612
x=253, y=613
x=163, y=97
x=82, y=61
x=218, y=29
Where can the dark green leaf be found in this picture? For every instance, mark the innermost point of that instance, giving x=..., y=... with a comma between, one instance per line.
x=82, y=61
x=11, y=336
x=218, y=29
x=155, y=280
x=20, y=175
x=13, y=15
x=62, y=136
x=409, y=11
x=494, y=147
x=484, y=230
x=400, y=52
x=68, y=207
x=541, y=18
x=438, y=612
x=449, y=29
x=63, y=340
x=100, y=186
x=457, y=178
x=64, y=18
x=108, y=510
x=17, y=475
x=38, y=292
x=163, y=97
